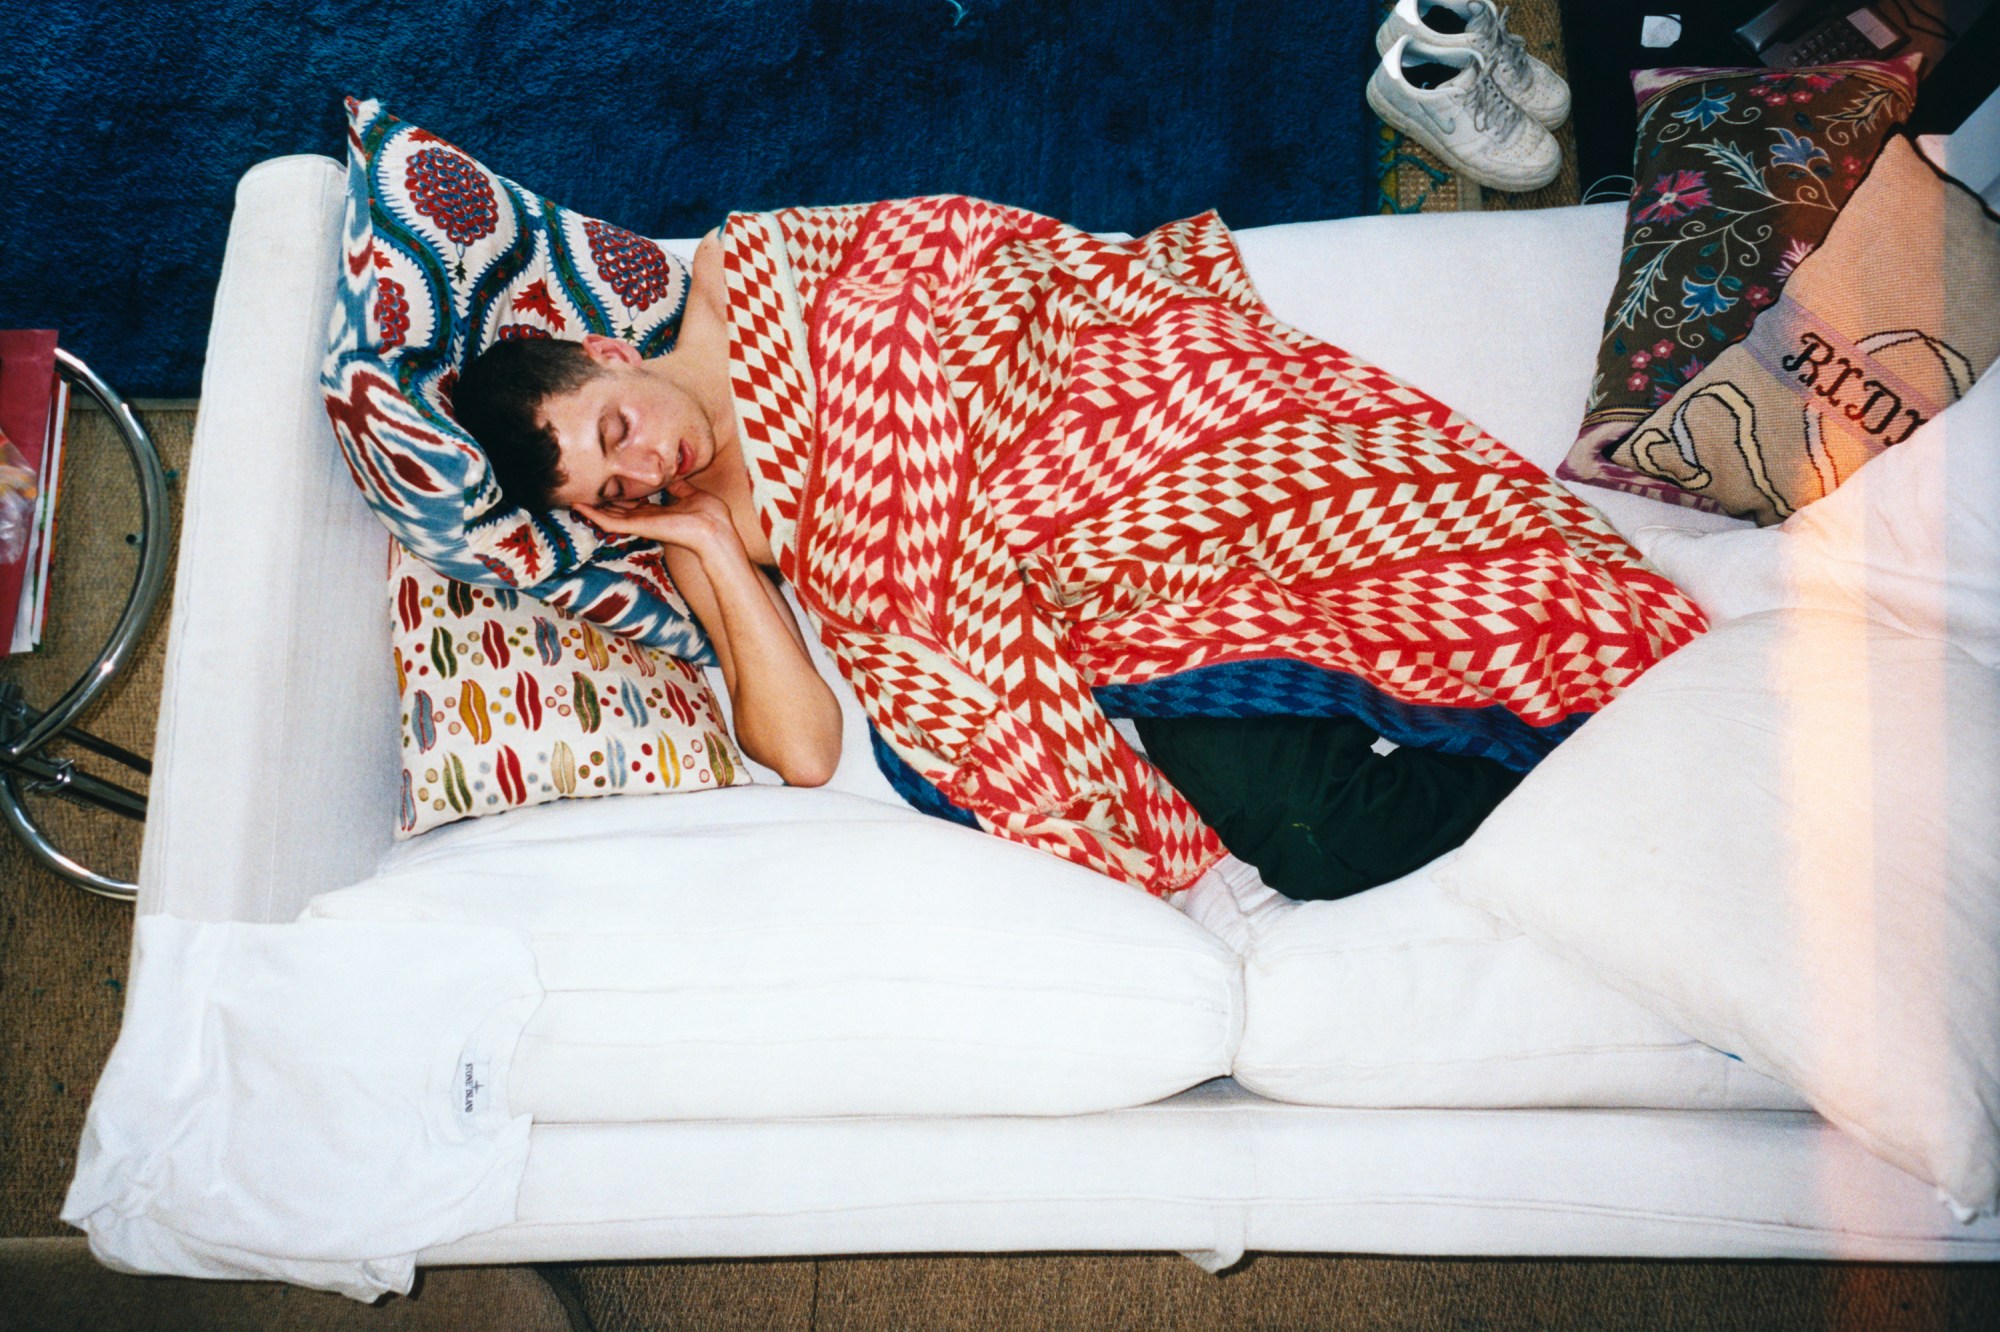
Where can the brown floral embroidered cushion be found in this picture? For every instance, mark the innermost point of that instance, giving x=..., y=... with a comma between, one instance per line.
x=1738, y=175
x=1886, y=325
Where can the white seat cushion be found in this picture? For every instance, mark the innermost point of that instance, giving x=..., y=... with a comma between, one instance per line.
x=773, y=952
x=1405, y=996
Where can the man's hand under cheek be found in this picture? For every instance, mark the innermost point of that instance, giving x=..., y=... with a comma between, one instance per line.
x=786, y=718
x=692, y=519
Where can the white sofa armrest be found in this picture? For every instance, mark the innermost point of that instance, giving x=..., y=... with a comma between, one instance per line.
x=274, y=776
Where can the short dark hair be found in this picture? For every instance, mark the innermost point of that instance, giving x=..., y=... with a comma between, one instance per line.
x=498, y=399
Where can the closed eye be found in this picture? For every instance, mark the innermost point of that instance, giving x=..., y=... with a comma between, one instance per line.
x=607, y=428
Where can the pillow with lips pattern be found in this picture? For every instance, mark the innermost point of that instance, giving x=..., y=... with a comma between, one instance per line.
x=507, y=703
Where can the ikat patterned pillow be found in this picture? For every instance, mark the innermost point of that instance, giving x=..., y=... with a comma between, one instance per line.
x=509, y=703
x=1886, y=325
x=441, y=259
x=1737, y=177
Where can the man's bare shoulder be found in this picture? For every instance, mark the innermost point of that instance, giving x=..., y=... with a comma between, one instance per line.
x=705, y=273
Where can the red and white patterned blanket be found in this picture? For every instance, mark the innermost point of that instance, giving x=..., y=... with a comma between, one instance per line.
x=1013, y=470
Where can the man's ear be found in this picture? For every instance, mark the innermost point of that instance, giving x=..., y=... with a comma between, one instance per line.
x=608, y=350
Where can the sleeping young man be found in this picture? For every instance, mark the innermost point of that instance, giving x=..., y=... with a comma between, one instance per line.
x=649, y=448
x=1075, y=600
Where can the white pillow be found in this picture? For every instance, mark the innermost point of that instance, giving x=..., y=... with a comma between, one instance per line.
x=769, y=952
x=1912, y=540
x=1781, y=839
x=1405, y=996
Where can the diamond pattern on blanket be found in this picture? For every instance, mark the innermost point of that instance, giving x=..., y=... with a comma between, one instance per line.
x=773, y=392
x=1021, y=477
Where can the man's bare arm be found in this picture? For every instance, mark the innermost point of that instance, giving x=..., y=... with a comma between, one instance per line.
x=786, y=717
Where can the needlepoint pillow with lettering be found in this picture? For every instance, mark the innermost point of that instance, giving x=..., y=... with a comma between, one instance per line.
x=441, y=259
x=1737, y=177
x=1886, y=325
x=509, y=703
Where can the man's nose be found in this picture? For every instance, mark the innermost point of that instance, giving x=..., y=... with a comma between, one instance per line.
x=637, y=464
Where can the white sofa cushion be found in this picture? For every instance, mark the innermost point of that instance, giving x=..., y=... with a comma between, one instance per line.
x=771, y=952
x=1781, y=840
x=1405, y=996
x=1912, y=540
x=1219, y=1170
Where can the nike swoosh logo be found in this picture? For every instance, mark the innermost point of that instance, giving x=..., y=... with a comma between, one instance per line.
x=1445, y=124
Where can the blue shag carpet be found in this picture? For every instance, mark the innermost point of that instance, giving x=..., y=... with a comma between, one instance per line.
x=128, y=124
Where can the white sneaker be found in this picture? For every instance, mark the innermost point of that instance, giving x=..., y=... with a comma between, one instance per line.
x=1482, y=25
x=1466, y=119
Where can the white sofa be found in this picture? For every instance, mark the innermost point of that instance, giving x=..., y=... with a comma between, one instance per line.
x=789, y=1022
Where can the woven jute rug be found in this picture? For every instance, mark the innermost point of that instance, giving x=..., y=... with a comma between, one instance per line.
x=63, y=952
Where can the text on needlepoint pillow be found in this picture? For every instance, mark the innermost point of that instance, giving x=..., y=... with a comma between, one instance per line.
x=507, y=703
x=441, y=258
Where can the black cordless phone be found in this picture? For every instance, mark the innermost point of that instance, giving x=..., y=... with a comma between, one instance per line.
x=1812, y=32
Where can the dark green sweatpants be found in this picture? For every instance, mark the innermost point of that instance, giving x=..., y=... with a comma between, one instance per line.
x=1311, y=804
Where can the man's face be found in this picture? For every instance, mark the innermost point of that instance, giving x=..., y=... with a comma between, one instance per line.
x=628, y=432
